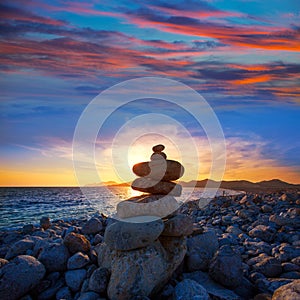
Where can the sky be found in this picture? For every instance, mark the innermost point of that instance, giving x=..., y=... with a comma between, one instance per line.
x=242, y=57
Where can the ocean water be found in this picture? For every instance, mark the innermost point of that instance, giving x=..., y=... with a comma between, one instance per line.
x=19, y=206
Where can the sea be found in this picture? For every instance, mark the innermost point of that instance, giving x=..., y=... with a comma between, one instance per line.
x=26, y=205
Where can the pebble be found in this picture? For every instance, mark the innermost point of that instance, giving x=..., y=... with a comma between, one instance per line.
x=226, y=267
x=78, y=261
x=189, y=290
x=92, y=226
x=74, y=279
x=99, y=280
x=45, y=223
x=76, y=242
x=54, y=257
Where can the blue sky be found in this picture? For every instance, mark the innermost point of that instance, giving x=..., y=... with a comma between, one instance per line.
x=243, y=57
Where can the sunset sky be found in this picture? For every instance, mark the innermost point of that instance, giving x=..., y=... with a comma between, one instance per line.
x=242, y=56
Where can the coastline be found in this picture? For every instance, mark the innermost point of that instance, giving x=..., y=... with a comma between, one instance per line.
x=261, y=229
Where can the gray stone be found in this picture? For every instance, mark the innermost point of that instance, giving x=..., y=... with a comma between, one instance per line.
x=28, y=228
x=289, y=291
x=265, y=233
x=50, y=292
x=159, y=169
x=127, y=236
x=99, y=280
x=105, y=255
x=92, y=226
x=3, y=262
x=64, y=293
x=180, y=225
x=74, y=279
x=226, y=267
x=190, y=290
x=200, y=250
x=288, y=267
x=215, y=290
x=158, y=148
x=142, y=271
x=269, y=266
x=76, y=242
x=54, y=257
x=151, y=186
x=18, y=248
x=153, y=205
x=90, y=296
x=291, y=275
x=77, y=261
x=45, y=222
x=20, y=276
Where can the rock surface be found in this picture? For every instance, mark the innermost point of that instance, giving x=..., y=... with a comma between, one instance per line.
x=19, y=276
x=160, y=206
x=128, y=236
x=76, y=242
x=189, y=290
x=148, y=185
x=162, y=170
x=289, y=291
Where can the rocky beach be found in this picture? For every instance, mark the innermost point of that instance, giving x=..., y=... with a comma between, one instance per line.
x=245, y=246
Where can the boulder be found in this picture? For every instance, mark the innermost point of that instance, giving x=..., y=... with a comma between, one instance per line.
x=289, y=291
x=201, y=249
x=189, y=290
x=76, y=242
x=99, y=280
x=20, y=276
x=92, y=226
x=54, y=257
x=77, y=261
x=226, y=267
x=45, y=223
x=153, y=205
x=265, y=233
x=215, y=290
x=74, y=279
x=142, y=272
x=269, y=266
x=18, y=248
x=159, y=169
x=179, y=225
x=64, y=293
x=126, y=236
x=148, y=185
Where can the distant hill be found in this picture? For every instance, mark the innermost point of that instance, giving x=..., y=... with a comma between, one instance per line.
x=247, y=186
x=273, y=185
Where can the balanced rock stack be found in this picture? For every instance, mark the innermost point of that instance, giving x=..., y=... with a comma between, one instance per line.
x=156, y=179
x=142, y=250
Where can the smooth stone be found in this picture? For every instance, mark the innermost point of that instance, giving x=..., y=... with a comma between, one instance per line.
x=45, y=222
x=19, y=247
x=105, y=255
x=289, y=291
x=126, y=236
x=20, y=276
x=50, y=292
x=201, y=249
x=215, y=290
x=291, y=275
x=189, y=290
x=76, y=242
x=90, y=296
x=158, y=148
x=142, y=272
x=28, y=228
x=164, y=170
x=153, y=205
x=54, y=257
x=64, y=293
x=99, y=280
x=92, y=226
x=226, y=267
x=74, y=279
x=151, y=186
x=265, y=233
x=269, y=266
x=78, y=261
x=3, y=262
x=179, y=225
x=158, y=156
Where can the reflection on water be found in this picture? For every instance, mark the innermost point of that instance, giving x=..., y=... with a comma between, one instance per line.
x=19, y=206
